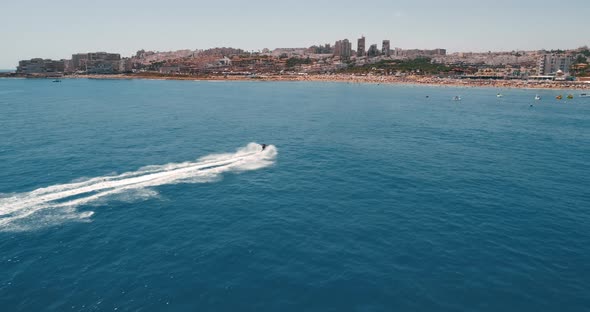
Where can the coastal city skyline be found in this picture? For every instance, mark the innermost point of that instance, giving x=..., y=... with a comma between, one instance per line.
x=355, y=48
x=323, y=59
x=60, y=30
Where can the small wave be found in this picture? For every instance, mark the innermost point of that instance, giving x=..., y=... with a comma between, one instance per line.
x=57, y=203
x=11, y=91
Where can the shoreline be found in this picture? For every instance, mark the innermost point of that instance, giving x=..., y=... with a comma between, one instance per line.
x=342, y=78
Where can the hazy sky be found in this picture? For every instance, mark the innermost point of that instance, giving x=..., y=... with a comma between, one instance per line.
x=58, y=28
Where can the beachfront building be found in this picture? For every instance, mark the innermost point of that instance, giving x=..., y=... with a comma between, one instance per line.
x=386, y=48
x=360, y=51
x=79, y=62
x=126, y=65
x=551, y=63
x=40, y=66
x=103, y=63
x=169, y=70
x=97, y=62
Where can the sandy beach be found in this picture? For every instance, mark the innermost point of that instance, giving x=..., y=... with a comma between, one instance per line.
x=414, y=80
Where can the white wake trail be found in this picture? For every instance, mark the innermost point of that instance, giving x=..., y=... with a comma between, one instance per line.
x=63, y=198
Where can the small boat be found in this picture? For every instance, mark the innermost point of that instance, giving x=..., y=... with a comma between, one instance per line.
x=457, y=98
x=499, y=95
x=537, y=98
x=585, y=95
x=559, y=97
x=56, y=80
x=570, y=96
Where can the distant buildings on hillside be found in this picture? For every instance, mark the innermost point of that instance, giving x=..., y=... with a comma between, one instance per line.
x=343, y=49
x=386, y=48
x=373, y=51
x=360, y=51
x=321, y=59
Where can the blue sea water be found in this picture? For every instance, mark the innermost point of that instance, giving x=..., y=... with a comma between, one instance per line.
x=377, y=199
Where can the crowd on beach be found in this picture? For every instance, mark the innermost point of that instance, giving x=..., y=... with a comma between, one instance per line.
x=435, y=81
x=417, y=80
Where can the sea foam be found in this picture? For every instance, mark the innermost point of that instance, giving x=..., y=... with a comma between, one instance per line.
x=57, y=203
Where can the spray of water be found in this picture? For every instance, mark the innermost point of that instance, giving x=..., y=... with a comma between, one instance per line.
x=57, y=203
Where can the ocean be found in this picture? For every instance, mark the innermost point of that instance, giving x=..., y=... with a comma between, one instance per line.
x=147, y=195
